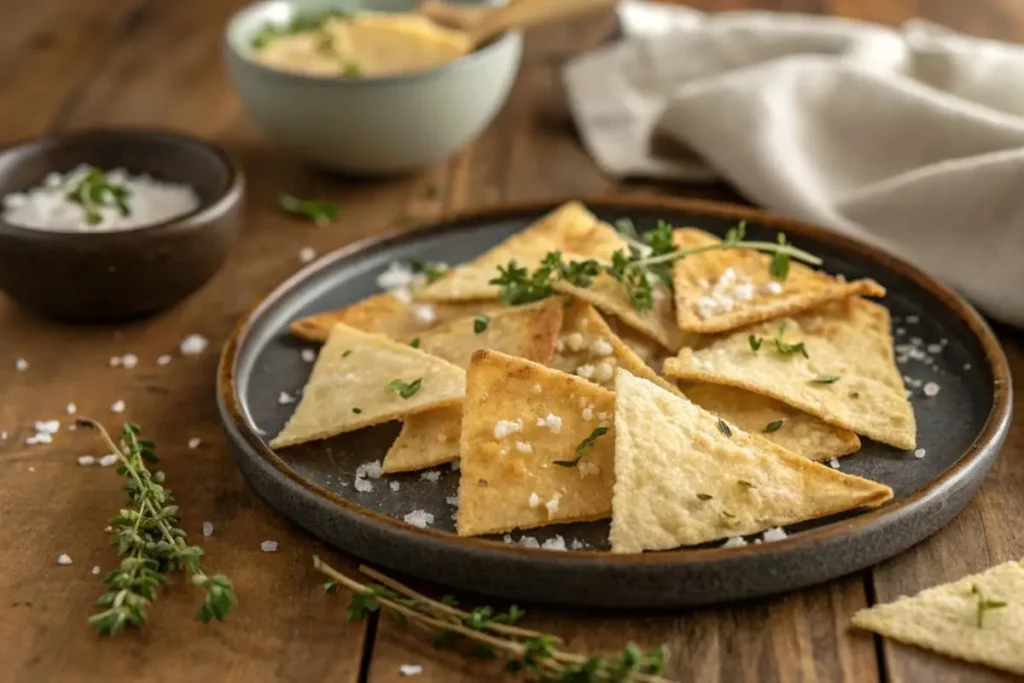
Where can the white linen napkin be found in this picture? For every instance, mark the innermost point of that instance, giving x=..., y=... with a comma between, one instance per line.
x=911, y=139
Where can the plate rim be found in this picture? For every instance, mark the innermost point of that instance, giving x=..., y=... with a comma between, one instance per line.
x=992, y=434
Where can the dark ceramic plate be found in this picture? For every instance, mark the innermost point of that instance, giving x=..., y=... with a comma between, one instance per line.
x=961, y=430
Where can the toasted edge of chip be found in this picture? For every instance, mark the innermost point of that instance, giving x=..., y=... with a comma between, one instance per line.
x=944, y=618
x=348, y=388
x=684, y=477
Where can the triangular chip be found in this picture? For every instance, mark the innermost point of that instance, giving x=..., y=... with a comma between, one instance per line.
x=790, y=428
x=848, y=377
x=608, y=295
x=569, y=228
x=363, y=379
x=388, y=315
x=649, y=351
x=684, y=477
x=519, y=419
x=432, y=438
x=587, y=347
x=721, y=290
x=945, y=618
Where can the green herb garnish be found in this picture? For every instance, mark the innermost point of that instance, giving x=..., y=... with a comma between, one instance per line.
x=825, y=379
x=357, y=411
x=346, y=353
x=481, y=322
x=985, y=604
x=415, y=343
x=788, y=349
x=405, y=389
x=724, y=428
x=94, y=192
x=745, y=484
x=434, y=190
x=779, y=267
x=431, y=269
x=352, y=69
x=755, y=343
x=772, y=427
x=582, y=448
x=704, y=496
x=151, y=544
x=316, y=211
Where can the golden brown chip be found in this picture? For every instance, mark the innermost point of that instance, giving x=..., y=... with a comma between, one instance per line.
x=569, y=228
x=790, y=428
x=649, y=351
x=609, y=296
x=432, y=438
x=521, y=419
x=684, y=477
x=363, y=379
x=716, y=291
x=945, y=618
x=386, y=314
x=587, y=347
x=848, y=379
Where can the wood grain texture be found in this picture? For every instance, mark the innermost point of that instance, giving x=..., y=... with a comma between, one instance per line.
x=71, y=64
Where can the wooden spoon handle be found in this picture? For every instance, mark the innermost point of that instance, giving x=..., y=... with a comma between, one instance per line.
x=523, y=13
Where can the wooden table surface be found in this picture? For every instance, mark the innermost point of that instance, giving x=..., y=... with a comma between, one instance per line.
x=68, y=64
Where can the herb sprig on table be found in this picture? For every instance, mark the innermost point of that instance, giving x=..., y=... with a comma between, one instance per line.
x=94, y=191
x=646, y=263
x=313, y=210
x=151, y=544
x=496, y=634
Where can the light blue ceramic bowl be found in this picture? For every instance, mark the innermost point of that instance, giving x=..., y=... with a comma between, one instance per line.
x=372, y=126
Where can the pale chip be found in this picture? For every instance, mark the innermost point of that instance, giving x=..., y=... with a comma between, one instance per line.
x=609, y=295
x=649, y=351
x=944, y=619
x=848, y=340
x=384, y=314
x=682, y=478
x=432, y=438
x=569, y=228
x=716, y=291
x=499, y=478
x=348, y=388
x=583, y=320
x=798, y=432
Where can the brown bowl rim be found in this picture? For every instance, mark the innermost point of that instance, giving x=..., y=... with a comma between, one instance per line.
x=993, y=430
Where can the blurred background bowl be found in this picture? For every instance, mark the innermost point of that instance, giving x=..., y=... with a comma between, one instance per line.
x=106, y=276
x=371, y=126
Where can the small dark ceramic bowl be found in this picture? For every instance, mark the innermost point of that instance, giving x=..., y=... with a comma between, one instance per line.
x=121, y=274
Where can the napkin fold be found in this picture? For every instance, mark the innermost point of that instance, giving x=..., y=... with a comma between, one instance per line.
x=909, y=139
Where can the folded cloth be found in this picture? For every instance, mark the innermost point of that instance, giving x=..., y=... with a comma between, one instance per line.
x=910, y=139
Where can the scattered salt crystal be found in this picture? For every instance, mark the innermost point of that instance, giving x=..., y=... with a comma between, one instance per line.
x=410, y=669
x=394, y=485
x=96, y=570
x=38, y=439
x=507, y=538
x=424, y=314
x=588, y=469
x=117, y=406
x=534, y=500
x=931, y=389
x=194, y=442
x=432, y=477
x=503, y=428
x=115, y=361
x=771, y=287
x=108, y=460
x=601, y=348
x=456, y=465
x=397, y=275
x=268, y=546
x=452, y=500
x=901, y=331
x=577, y=544
x=834, y=463
x=967, y=366
x=920, y=453
x=21, y=365
x=108, y=528
x=604, y=372
x=537, y=389
x=552, y=421
x=556, y=543
x=71, y=409
x=371, y=469
x=734, y=542
x=129, y=360
x=207, y=529
x=552, y=505
x=529, y=542
x=308, y=355
x=163, y=360
x=587, y=414
x=31, y=469
x=774, y=534
x=912, y=319
x=585, y=371
x=420, y=518
x=403, y=295
x=934, y=348
x=47, y=426
x=524, y=447
x=193, y=345
x=307, y=254
x=285, y=398
x=85, y=460
x=363, y=485
x=574, y=341
x=63, y=559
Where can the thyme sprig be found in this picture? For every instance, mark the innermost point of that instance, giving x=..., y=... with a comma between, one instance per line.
x=150, y=543
x=533, y=653
x=94, y=191
x=645, y=263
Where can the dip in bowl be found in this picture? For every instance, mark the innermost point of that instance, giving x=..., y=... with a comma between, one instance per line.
x=358, y=105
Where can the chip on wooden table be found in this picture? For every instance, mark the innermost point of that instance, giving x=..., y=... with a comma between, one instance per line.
x=388, y=315
x=790, y=428
x=520, y=419
x=530, y=332
x=609, y=296
x=589, y=348
x=363, y=379
x=684, y=477
x=945, y=618
x=848, y=378
x=716, y=291
x=569, y=228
